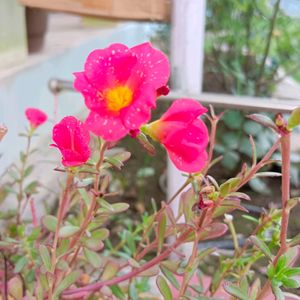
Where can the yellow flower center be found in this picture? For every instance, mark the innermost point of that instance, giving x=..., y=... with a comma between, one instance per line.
x=118, y=98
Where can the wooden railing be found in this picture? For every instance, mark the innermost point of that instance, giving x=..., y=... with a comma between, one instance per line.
x=154, y=10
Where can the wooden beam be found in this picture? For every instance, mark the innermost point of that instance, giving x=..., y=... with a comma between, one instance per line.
x=154, y=10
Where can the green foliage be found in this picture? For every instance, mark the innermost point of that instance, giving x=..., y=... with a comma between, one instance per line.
x=239, y=39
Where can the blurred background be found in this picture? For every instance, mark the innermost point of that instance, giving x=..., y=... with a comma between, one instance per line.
x=236, y=48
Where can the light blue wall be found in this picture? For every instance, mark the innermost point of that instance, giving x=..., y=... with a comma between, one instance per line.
x=29, y=88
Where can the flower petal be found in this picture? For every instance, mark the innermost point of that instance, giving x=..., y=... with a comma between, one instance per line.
x=186, y=146
x=155, y=64
x=109, y=127
x=139, y=112
x=109, y=66
x=183, y=160
x=185, y=110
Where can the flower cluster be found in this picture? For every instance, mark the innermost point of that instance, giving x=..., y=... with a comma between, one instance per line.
x=120, y=86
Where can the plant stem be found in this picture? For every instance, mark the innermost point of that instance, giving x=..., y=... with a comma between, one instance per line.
x=267, y=49
x=234, y=237
x=60, y=214
x=96, y=286
x=285, y=212
x=22, y=177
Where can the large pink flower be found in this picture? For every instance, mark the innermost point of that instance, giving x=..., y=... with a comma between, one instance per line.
x=184, y=136
x=120, y=86
x=72, y=139
x=35, y=117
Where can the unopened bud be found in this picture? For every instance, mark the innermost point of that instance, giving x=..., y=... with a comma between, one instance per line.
x=208, y=189
x=228, y=218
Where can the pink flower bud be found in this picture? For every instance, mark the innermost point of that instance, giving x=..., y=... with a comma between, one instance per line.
x=35, y=117
x=72, y=139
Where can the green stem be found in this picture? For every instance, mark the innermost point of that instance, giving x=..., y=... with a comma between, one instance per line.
x=60, y=214
x=22, y=177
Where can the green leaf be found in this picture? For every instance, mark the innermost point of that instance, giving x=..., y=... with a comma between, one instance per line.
x=66, y=282
x=170, y=276
x=120, y=207
x=46, y=259
x=229, y=185
x=258, y=185
x=62, y=265
x=93, y=258
x=290, y=283
x=161, y=231
x=50, y=222
x=294, y=119
x=132, y=292
x=235, y=291
x=277, y=291
x=267, y=174
x=117, y=160
x=250, y=218
x=263, y=120
x=68, y=231
x=164, y=288
x=252, y=128
x=101, y=234
x=117, y=292
x=93, y=244
x=110, y=270
x=281, y=263
x=28, y=170
x=84, y=182
x=31, y=188
x=85, y=196
x=233, y=119
x=20, y=264
x=261, y=246
x=290, y=272
x=230, y=160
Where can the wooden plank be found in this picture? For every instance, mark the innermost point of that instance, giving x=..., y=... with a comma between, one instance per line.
x=155, y=10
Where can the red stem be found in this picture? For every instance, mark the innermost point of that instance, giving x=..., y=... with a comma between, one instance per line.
x=285, y=192
x=135, y=272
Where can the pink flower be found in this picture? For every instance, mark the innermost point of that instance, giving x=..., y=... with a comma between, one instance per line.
x=72, y=139
x=35, y=117
x=120, y=86
x=184, y=136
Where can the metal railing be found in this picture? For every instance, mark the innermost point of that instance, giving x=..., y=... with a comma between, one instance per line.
x=245, y=103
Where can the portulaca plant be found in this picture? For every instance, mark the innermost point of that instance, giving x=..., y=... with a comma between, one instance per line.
x=71, y=253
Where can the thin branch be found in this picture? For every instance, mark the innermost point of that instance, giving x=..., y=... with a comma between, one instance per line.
x=269, y=40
